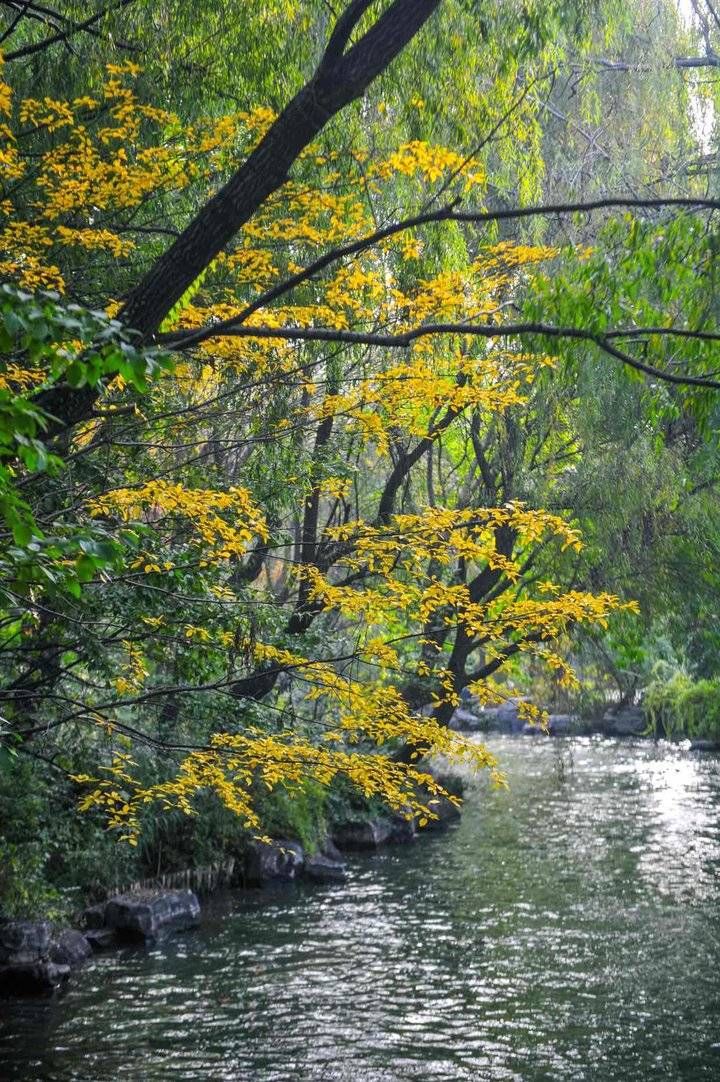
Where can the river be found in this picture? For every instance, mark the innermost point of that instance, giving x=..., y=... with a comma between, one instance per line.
x=567, y=929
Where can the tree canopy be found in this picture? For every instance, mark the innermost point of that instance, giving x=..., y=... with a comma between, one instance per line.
x=350, y=360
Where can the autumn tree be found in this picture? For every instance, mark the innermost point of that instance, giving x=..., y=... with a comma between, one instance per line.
x=262, y=493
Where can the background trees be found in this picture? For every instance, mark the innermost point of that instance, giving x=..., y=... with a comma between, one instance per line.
x=320, y=468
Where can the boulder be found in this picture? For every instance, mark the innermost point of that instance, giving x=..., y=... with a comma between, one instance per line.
x=562, y=724
x=504, y=718
x=31, y=978
x=627, y=721
x=94, y=916
x=362, y=834
x=404, y=830
x=445, y=811
x=451, y=781
x=69, y=948
x=23, y=942
x=331, y=851
x=149, y=915
x=101, y=939
x=465, y=721
x=323, y=869
x=558, y=725
x=704, y=745
x=273, y=862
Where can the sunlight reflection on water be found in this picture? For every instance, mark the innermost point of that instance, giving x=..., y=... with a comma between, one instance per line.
x=567, y=930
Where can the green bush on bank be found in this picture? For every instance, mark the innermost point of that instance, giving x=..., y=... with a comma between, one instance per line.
x=680, y=706
x=53, y=862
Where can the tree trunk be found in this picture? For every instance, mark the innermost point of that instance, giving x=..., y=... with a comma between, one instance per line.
x=340, y=78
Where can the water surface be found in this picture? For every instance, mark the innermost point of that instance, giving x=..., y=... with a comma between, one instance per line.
x=568, y=929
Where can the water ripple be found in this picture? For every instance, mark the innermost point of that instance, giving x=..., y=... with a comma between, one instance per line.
x=567, y=930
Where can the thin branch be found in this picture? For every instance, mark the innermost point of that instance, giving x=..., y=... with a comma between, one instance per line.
x=21, y=13
x=64, y=35
x=487, y=138
x=448, y=213
x=712, y=60
x=481, y=330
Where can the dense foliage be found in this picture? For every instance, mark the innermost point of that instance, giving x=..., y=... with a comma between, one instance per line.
x=278, y=484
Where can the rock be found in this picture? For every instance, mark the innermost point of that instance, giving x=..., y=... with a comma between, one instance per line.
x=331, y=851
x=362, y=834
x=149, y=915
x=445, y=811
x=443, y=808
x=404, y=831
x=94, y=916
x=561, y=724
x=69, y=948
x=451, y=781
x=24, y=941
x=101, y=939
x=704, y=745
x=504, y=718
x=557, y=725
x=323, y=869
x=465, y=721
x=628, y=721
x=32, y=978
x=273, y=862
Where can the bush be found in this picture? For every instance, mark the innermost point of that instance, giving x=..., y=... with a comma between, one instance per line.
x=25, y=891
x=51, y=859
x=681, y=706
x=297, y=815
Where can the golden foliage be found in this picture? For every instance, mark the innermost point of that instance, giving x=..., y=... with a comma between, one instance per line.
x=203, y=508
x=107, y=155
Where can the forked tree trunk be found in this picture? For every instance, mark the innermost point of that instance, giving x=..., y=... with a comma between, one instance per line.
x=341, y=77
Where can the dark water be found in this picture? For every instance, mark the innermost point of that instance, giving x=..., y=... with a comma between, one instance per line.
x=567, y=930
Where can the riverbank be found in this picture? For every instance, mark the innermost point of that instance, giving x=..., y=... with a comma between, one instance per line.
x=37, y=958
x=625, y=721
x=565, y=929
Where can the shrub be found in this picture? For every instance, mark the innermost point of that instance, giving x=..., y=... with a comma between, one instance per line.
x=300, y=814
x=681, y=706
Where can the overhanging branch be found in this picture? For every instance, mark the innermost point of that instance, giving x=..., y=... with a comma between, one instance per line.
x=183, y=340
x=448, y=213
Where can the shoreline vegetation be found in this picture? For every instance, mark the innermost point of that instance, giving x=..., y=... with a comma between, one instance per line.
x=37, y=956
x=678, y=708
x=61, y=863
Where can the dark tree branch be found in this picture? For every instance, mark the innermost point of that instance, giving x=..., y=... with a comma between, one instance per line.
x=405, y=463
x=481, y=330
x=65, y=35
x=335, y=84
x=448, y=213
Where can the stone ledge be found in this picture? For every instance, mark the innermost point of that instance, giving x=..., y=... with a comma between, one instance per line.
x=149, y=915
